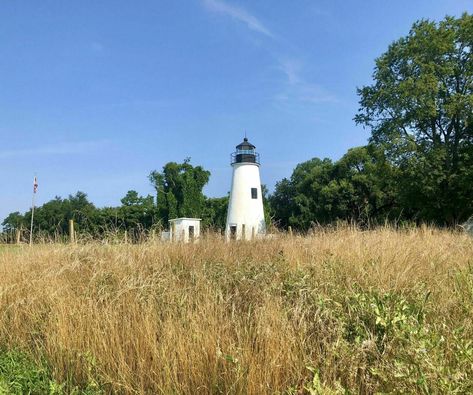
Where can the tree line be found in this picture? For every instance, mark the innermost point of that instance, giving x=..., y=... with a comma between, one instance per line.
x=417, y=165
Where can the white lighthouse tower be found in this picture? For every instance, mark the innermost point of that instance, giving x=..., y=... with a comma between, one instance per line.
x=245, y=217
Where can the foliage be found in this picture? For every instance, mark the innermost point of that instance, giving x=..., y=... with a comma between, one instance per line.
x=52, y=218
x=358, y=187
x=214, y=214
x=420, y=111
x=20, y=374
x=137, y=211
x=14, y=221
x=179, y=190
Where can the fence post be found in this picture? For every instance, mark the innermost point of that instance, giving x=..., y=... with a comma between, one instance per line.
x=289, y=229
x=71, y=231
x=18, y=236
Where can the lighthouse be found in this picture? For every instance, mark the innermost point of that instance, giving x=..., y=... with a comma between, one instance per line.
x=245, y=217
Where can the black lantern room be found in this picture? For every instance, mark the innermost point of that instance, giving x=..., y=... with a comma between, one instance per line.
x=245, y=153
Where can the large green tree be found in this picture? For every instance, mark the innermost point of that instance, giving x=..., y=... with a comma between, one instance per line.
x=358, y=187
x=179, y=190
x=420, y=111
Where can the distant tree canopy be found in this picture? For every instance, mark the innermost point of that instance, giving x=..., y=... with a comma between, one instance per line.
x=358, y=187
x=52, y=218
x=420, y=111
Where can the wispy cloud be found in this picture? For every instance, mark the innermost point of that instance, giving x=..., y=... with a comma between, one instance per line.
x=298, y=89
x=237, y=13
x=291, y=68
x=80, y=147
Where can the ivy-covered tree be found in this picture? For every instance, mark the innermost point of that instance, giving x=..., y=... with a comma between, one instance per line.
x=420, y=111
x=179, y=190
x=214, y=215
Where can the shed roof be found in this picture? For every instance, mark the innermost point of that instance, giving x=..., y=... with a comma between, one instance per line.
x=185, y=218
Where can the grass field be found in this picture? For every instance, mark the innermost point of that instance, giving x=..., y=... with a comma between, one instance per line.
x=342, y=311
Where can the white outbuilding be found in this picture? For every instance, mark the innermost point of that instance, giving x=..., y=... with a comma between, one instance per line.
x=184, y=229
x=245, y=217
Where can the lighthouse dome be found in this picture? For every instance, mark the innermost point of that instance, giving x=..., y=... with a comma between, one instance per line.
x=245, y=145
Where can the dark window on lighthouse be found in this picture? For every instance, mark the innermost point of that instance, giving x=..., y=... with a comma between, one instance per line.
x=254, y=193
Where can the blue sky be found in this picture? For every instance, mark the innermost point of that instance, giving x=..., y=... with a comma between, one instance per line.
x=96, y=94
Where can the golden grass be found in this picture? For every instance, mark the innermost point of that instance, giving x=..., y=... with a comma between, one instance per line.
x=382, y=310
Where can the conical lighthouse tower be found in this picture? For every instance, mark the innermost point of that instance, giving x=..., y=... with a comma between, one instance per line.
x=245, y=217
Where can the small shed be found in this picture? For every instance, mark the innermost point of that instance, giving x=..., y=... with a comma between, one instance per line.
x=184, y=229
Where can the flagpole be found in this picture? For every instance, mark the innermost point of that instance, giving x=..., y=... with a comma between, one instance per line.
x=35, y=185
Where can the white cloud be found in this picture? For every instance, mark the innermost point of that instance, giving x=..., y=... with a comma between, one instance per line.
x=298, y=89
x=237, y=13
x=80, y=147
x=291, y=68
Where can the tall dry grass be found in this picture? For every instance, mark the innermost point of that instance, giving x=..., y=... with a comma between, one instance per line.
x=341, y=310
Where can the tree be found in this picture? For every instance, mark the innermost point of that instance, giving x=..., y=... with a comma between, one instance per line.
x=53, y=216
x=298, y=201
x=13, y=221
x=358, y=187
x=370, y=180
x=179, y=190
x=420, y=111
x=214, y=214
x=137, y=211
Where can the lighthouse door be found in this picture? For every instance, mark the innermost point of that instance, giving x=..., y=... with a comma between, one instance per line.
x=233, y=232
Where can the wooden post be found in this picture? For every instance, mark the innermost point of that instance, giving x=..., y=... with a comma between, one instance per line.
x=71, y=231
x=243, y=232
x=18, y=236
x=126, y=236
x=289, y=229
x=153, y=235
x=253, y=233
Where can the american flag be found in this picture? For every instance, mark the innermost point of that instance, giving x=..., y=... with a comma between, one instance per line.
x=35, y=185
